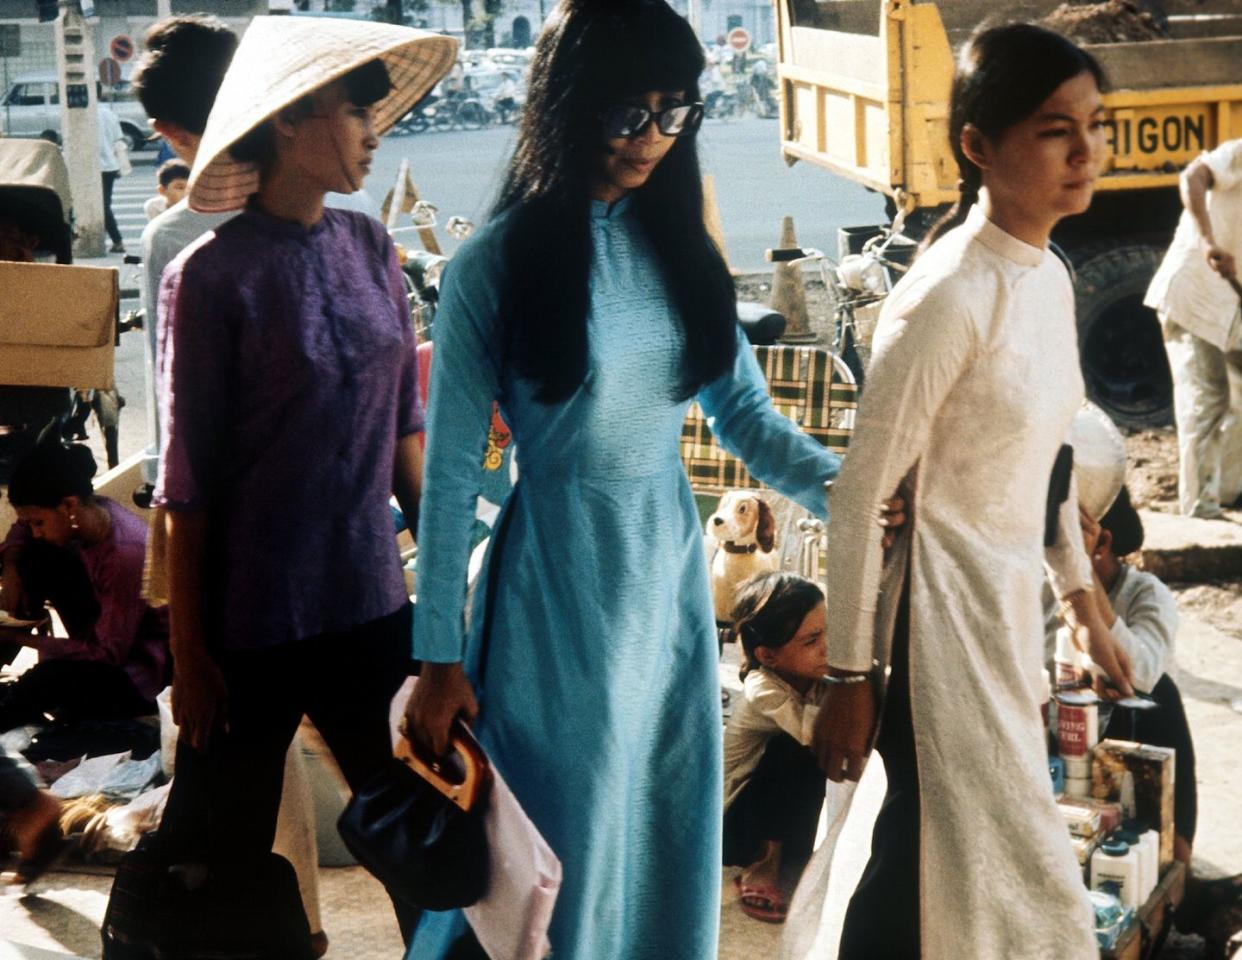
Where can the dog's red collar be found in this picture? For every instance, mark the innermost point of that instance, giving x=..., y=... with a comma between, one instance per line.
x=731, y=547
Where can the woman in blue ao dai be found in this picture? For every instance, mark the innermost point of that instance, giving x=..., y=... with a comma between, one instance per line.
x=594, y=308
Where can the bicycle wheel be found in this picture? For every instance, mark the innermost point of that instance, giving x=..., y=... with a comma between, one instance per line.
x=472, y=115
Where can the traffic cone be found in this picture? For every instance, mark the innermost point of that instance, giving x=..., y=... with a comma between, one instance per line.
x=789, y=293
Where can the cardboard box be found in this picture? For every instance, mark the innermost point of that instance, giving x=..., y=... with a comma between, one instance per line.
x=58, y=325
x=1152, y=769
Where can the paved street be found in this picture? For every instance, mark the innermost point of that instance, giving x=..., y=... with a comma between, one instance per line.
x=460, y=171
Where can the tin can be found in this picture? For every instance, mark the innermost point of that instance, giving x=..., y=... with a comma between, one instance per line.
x=1078, y=724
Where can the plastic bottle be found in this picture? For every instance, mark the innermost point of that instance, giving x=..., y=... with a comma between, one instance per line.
x=1065, y=659
x=1152, y=839
x=1115, y=868
x=1149, y=840
x=1133, y=839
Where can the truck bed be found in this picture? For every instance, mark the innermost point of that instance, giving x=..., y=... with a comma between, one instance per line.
x=865, y=89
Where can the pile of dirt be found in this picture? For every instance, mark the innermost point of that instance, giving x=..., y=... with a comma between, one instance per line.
x=1115, y=21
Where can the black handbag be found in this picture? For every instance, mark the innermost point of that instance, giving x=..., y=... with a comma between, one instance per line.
x=238, y=911
x=417, y=825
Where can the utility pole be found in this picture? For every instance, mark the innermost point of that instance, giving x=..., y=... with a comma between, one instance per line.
x=75, y=54
x=694, y=13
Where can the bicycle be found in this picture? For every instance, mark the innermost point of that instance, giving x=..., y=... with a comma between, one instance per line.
x=421, y=270
x=858, y=284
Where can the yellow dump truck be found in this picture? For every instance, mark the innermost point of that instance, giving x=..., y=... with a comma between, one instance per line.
x=864, y=92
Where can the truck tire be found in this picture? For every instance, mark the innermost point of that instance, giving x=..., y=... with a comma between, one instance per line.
x=1119, y=342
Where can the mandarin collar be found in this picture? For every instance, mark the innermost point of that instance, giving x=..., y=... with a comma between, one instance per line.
x=602, y=210
x=1001, y=243
x=276, y=226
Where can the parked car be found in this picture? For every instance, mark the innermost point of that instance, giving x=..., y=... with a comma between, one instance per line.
x=32, y=105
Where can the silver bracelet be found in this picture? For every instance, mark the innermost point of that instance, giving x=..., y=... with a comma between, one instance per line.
x=851, y=678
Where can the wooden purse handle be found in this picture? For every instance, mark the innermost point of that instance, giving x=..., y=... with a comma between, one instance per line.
x=464, y=792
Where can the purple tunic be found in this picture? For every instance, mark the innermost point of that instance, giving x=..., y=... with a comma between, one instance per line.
x=288, y=370
x=127, y=634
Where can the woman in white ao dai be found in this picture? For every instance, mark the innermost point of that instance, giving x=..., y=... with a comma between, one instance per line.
x=973, y=383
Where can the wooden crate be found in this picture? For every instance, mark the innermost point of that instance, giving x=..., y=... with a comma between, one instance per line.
x=1143, y=938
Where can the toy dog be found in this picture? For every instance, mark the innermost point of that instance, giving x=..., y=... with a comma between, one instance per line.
x=745, y=531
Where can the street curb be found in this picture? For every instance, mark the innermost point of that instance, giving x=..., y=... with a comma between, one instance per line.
x=1189, y=550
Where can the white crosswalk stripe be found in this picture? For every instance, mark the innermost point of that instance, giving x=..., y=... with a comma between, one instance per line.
x=128, y=195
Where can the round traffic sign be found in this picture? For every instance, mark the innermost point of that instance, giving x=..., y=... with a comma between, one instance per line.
x=121, y=48
x=109, y=72
x=739, y=39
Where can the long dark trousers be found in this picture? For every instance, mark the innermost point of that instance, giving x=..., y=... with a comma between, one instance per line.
x=780, y=802
x=224, y=801
x=114, y=232
x=882, y=921
x=1166, y=727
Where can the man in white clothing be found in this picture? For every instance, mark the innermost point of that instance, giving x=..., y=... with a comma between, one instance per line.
x=110, y=134
x=1197, y=297
x=176, y=80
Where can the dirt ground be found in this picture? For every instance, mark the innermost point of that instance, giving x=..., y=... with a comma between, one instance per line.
x=1116, y=21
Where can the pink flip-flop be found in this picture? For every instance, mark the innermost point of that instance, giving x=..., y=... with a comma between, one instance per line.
x=762, y=901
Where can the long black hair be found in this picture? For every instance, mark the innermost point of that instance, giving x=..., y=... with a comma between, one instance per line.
x=591, y=55
x=1003, y=74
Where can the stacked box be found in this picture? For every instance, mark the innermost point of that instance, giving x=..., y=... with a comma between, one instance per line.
x=1152, y=771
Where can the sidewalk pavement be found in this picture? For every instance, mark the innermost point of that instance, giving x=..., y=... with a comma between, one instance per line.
x=66, y=914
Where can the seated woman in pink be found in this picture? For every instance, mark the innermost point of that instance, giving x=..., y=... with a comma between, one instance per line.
x=83, y=555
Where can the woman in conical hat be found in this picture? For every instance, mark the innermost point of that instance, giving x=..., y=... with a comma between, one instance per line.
x=594, y=307
x=290, y=398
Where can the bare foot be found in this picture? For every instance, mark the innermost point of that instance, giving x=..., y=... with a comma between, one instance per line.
x=764, y=873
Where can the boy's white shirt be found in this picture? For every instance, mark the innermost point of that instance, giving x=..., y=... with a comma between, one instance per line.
x=1146, y=626
x=768, y=706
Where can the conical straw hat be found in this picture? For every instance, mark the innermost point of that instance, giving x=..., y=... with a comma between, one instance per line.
x=1099, y=459
x=282, y=59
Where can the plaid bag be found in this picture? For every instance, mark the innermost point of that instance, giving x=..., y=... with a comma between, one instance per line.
x=803, y=388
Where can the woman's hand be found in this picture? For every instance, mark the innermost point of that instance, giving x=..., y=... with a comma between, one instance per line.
x=892, y=517
x=199, y=699
x=1222, y=262
x=844, y=729
x=441, y=694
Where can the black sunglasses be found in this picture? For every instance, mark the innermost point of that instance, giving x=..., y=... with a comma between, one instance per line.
x=631, y=120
